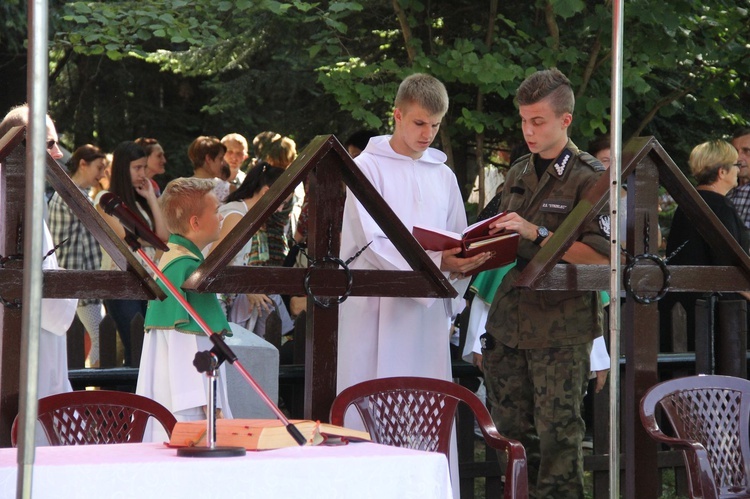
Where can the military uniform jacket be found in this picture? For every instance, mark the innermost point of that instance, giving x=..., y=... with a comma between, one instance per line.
x=542, y=319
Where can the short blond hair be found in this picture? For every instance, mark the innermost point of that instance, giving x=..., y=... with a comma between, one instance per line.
x=235, y=137
x=708, y=158
x=182, y=199
x=424, y=90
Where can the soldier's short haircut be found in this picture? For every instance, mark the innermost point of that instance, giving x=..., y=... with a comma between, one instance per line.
x=424, y=90
x=182, y=199
x=740, y=132
x=549, y=83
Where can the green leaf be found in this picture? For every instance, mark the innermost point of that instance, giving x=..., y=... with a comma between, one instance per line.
x=597, y=106
x=567, y=8
x=345, y=6
x=337, y=25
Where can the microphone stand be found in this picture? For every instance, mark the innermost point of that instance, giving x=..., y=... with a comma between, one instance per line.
x=209, y=362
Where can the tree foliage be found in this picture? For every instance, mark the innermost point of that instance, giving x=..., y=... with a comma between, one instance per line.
x=177, y=68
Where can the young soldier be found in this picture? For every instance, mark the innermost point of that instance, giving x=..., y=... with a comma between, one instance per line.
x=536, y=348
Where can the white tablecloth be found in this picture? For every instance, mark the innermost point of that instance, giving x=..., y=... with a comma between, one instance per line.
x=140, y=471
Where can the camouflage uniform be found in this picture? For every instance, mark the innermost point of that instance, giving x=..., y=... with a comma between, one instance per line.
x=536, y=359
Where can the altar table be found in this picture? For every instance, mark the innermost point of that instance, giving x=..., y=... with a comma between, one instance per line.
x=149, y=470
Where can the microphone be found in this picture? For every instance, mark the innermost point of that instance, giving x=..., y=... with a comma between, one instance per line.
x=113, y=206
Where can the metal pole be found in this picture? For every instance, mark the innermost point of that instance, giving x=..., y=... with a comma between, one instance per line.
x=36, y=156
x=615, y=172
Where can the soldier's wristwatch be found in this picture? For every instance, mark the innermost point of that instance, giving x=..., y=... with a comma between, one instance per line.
x=541, y=234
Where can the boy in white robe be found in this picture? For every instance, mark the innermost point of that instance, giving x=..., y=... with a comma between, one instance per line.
x=167, y=374
x=380, y=336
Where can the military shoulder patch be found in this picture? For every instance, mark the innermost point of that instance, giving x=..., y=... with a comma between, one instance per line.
x=594, y=163
x=561, y=163
x=604, y=225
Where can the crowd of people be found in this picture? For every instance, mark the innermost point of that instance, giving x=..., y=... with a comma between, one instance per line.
x=534, y=347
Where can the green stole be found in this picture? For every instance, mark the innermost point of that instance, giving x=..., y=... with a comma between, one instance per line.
x=178, y=264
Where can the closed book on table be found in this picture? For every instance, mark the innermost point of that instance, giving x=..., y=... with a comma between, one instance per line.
x=473, y=240
x=262, y=434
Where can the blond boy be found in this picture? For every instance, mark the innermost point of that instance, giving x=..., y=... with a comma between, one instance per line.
x=167, y=375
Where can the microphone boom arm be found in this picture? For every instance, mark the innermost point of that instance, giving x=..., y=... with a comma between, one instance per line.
x=223, y=350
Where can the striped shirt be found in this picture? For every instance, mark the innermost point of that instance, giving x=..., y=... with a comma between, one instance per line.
x=740, y=197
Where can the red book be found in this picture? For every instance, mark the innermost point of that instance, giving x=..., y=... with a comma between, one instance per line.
x=473, y=240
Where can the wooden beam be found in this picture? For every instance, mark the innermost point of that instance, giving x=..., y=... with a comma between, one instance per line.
x=79, y=284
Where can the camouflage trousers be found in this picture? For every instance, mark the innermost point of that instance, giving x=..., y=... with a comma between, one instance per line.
x=536, y=397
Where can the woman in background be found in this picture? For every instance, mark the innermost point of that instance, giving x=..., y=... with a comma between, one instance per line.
x=131, y=184
x=207, y=156
x=156, y=162
x=81, y=251
x=715, y=168
x=280, y=152
x=249, y=309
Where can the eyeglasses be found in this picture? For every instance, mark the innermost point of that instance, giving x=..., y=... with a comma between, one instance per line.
x=51, y=144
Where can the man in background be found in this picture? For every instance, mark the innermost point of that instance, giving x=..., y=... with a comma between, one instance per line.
x=740, y=195
x=57, y=314
x=235, y=156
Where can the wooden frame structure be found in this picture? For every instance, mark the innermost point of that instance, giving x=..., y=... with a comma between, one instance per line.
x=328, y=167
x=132, y=283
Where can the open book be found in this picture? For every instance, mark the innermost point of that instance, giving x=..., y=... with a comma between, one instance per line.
x=473, y=240
x=262, y=434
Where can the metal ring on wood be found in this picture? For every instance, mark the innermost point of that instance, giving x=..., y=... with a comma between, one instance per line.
x=666, y=277
x=349, y=281
x=14, y=303
x=6, y=259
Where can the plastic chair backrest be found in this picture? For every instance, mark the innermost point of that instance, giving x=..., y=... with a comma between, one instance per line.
x=418, y=413
x=97, y=417
x=710, y=418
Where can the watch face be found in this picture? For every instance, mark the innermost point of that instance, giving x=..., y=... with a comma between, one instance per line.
x=542, y=232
